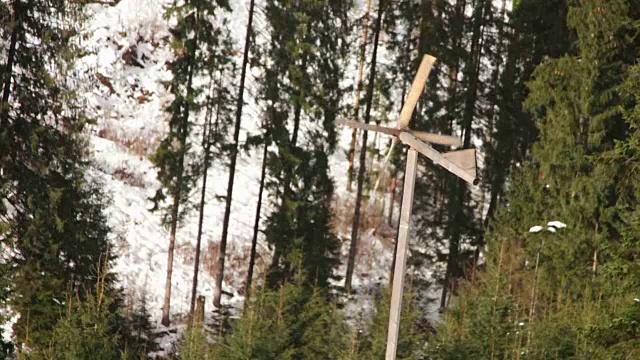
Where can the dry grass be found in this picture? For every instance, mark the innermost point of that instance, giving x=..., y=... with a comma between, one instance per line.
x=372, y=216
x=236, y=262
x=141, y=146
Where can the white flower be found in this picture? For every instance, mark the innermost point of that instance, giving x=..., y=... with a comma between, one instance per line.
x=557, y=224
x=535, y=229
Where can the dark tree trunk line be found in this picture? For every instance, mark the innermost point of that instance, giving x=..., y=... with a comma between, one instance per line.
x=356, y=109
x=175, y=208
x=363, y=153
x=217, y=291
x=256, y=224
x=472, y=69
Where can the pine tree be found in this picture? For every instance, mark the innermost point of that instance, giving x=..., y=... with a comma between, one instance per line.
x=194, y=43
x=302, y=86
x=88, y=329
x=411, y=338
x=290, y=322
x=217, y=296
x=363, y=151
x=217, y=120
x=53, y=225
x=564, y=289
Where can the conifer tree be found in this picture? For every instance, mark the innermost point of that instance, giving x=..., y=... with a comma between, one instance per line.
x=302, y=89
x=219, y=275
x=53, y=229
x=411, y=338
x=290, y=322
x=218, y=108
x=532, y=33
x=363, y=151
x=89, y=327
x=194, y=43
x=564, y=289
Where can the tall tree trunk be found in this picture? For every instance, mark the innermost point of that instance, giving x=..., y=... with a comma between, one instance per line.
x=11, y=55
x=472, y=69
x=175, y=208
x=356, y=109
x=217, y=291
x=363, y=153
x=206, y=145
x=256, y=224
x=496, y=181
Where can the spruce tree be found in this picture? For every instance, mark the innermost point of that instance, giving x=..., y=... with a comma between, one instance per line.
x=302, y=88
x=290, y=322
x=54, y=230
x=219, y=275
x=196, y=44
x=532, y=33
x=363, y=151
x=220, y=69
x=564, y=289
x=411, y=339
x=89, y=327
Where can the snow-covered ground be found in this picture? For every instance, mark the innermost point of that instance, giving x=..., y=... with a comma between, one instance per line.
x=129, y=57
x=128, y=54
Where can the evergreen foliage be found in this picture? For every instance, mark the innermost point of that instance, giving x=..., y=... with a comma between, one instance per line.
x=53, y=229
x=566, y=293
x=411, y=339
x=288, y=323
x=201, y=48
x=196, y=345
x=88, y=330
x=302, y=86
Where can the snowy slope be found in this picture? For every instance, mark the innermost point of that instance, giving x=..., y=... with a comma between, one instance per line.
x=128, y=55
x=129, y=59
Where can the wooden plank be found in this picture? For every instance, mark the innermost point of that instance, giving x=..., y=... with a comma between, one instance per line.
x=437, y=138
x=425, y=136
x=416, y=90
x=438, y=158
x=369, y=127
x=401, y=254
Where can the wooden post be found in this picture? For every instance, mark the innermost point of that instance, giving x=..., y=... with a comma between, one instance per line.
x=199, y=315
x=401, y=255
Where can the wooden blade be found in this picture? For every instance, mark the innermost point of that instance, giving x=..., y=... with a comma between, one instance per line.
x=437, y=138
x=369, y=127
x=416, y=90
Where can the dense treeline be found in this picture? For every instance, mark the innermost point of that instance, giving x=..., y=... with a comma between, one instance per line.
x=539, y=261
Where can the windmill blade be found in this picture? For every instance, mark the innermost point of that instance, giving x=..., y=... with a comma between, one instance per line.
x=437, y=138
x=416, y=90
x=369, y=127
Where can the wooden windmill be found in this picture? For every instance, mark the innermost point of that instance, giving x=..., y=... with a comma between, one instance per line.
x=462, y=163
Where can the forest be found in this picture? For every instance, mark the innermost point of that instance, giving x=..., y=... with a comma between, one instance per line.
x=176, y=181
